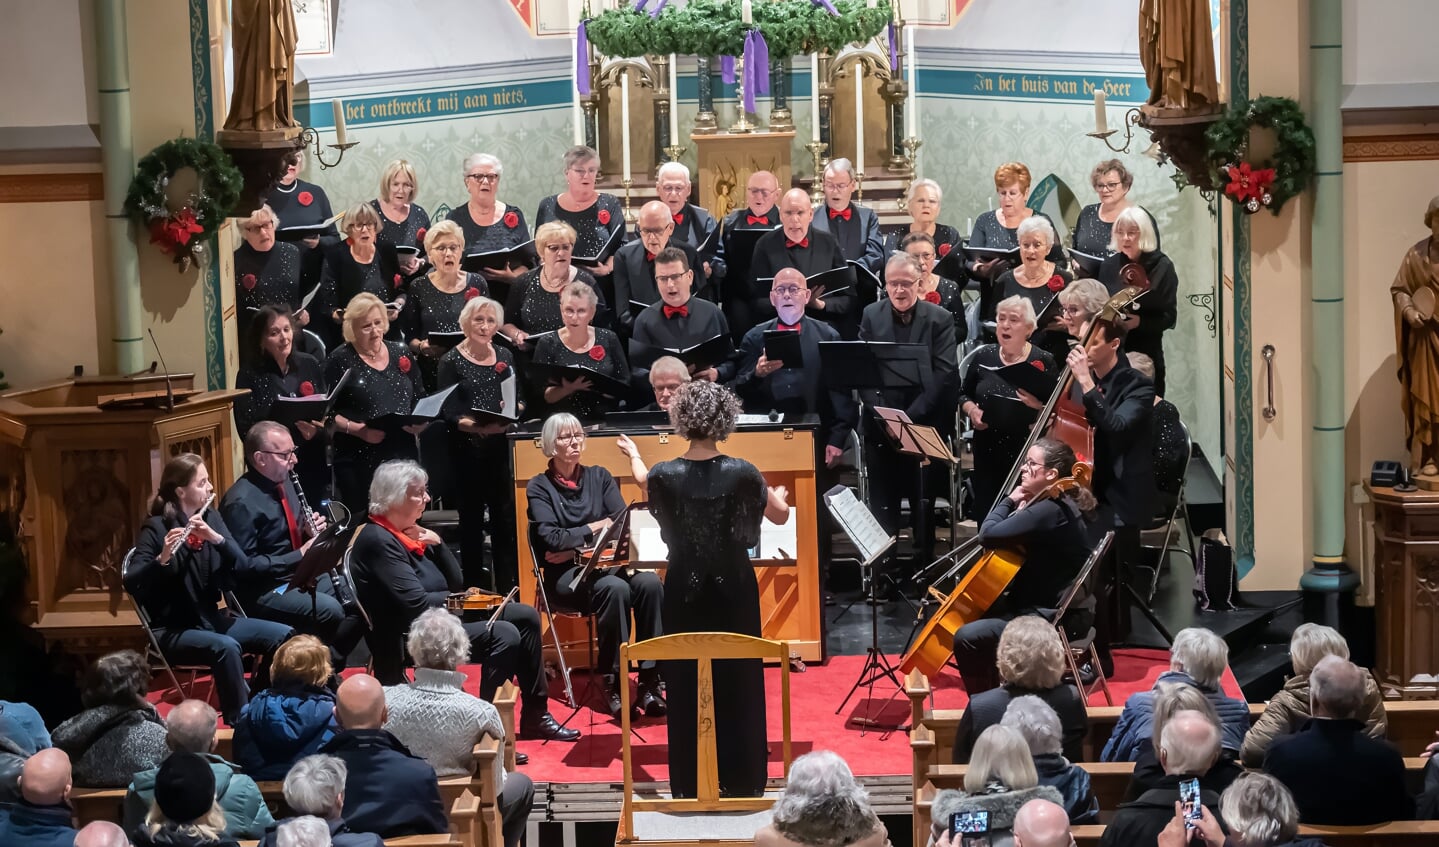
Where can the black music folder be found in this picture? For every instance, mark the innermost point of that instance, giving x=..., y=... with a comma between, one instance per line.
x=602, y=384
x=521, y=255
x=427, y=409
x=617, y=239
x=289, y=410
x=782, y=345
x=1025, y=376
x=707, y=354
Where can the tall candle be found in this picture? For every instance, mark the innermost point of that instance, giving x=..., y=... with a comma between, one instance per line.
x=625, y=122
x=911, y=57
x=674, y=99
x=814, y=97
x=1101, y=121
x=339, y=107
x=858, y=117
x=577, y=116
x=746, y=12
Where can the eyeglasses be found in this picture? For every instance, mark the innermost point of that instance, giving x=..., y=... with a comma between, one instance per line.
x=570, y=438
x=446, y=248
x=259, y=227
x=655, y=232
x=901, y=283
x=665, y=279
x=667, y=387
x=923, y=257
x=584, y=171
x=573, y=312
x=837, y=186
x=760, y=192
x=360, y=226
x=483, y=177
x=674, y=189
x=1106, y=186
x=1073, y=310
x=1033, y=465
x=788, y=290
x=286, y=454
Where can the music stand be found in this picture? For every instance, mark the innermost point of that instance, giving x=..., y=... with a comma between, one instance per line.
x=329, y=421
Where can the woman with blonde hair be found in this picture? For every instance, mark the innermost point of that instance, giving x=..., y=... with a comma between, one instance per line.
x=430, y=321
x=185, y=813
x=360, y=264
x=534, y=300
x=1000, y=779
x=403, y=222
x=292, y=718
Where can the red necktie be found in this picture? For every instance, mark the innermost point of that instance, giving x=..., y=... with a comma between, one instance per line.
x=791, y=328
x=671, y=311
x=289, y=516
x=839, y=213
x=803, y=242
x=679, y=218
x=751, y=220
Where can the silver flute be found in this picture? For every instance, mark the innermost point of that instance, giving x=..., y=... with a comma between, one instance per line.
x=184, y=536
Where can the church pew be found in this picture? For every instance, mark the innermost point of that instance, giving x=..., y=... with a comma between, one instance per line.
x=444, y=840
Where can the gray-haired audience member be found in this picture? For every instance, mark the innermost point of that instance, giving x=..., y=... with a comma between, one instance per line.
x=315, y=786
x=822, y=806
x=1189, y=746
x=119, y=733
x=1040, y=823
x=1037, y=721
x=1259, y=812
x=1001, y=778
x=306, y=831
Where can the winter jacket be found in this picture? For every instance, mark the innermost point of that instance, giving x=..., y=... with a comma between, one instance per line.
x=279, y=727
x=110, y=744
x=389, y=791
x=36, y=826
x=1339, y=776
x=1141, y=821
x=1001, y=805
x=1136, y=722
x=987, y=708
x=20, y=723
x=1289, y=709
x=169, y=836
x=1148, y=773
x=1072, y=783
x=246, y=814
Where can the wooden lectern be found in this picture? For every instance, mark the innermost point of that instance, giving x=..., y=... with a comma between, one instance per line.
x=80, y=460
x=726, y=161
x=1406, y=592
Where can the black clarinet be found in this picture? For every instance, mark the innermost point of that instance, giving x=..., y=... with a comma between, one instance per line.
x=342, y=591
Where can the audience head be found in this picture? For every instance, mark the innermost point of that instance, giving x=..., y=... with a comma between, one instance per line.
x=315, y=786
x=563, y=437
x=673, y=277
x=185, y=795
x=1259, y=811
x=302, y=661
x=838, y=183
x=303, y=831
x=1000, y=755
x=925, y=197
x=1133, y=233
x=437, y=640
x=672, y=181
x=365, y=321
x=45, y=777
x=555, y=242
x=704, y=411
x=482, y=178
x=1173, y=698
x=822, y=804
x=667, y=374
x=1336, y=689
x=655, y=224
x=902, y=273
x=399, y=492
x=795, y=212
x=190, y=728
x=398, y=183
x=259, y=229
x=270, y=450
x=761, y=189
x=578, y=303
x=117, y=679
x=101, y=834
x=789, y=294
x=582, y=167
x=1030, y=654
x=1037, y=722
x=1042, y=823
x=1200, y=653
x=184, y=485
x=362, y=224
x=1312, y=642
x=1189, y=744
x=360, y=703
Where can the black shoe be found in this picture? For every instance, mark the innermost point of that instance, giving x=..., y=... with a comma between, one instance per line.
x=651, y=703
x=522, y=759
x=545, y=728
x=611, y=693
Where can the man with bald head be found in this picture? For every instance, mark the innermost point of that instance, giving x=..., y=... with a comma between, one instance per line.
x=101, y=834
x=388, y=790
x=635, y=286
x=1188, y=747
x=742, y=228
x=797, y=244
x=1041, y=823
x=42, y=816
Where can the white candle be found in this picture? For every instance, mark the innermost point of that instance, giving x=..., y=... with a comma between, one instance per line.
x=674, y=99
x=1101, y=122
x=858, y=117
x=911, y=57
x=871, y=4
x=339, y=107
x=814, y=97
x=625, y=122
x=969, y=224
x=746, y=12
x=577, y=112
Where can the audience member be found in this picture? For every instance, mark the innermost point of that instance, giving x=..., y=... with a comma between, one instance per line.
x=316, y=786
x=292, y=718
x=822, y=806
x=185, y=813
x=1173, y=698
x=1198, y=658
x=1001, y=778
x=1040, y=823
x=22, y=733
x=1287, y=711
x=436, y=719
x=1339, y=776
x=1260, y=812
x=1188, y=747
x=190, y=728
x=41, y=817
x=306, y=831
x=388, y=790
x=1030, y=658
x=119, y=733
x=101, y=834
x=1037, y=722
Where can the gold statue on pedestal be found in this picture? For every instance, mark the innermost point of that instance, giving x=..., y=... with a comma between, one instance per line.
x=1415, y=291
x=263, y=41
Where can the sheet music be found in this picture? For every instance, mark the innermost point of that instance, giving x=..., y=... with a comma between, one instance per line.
x=776, y=541
x=757, y=420
x=305, y=303
x=430, y=407
x=858, y=523
x=507, y=396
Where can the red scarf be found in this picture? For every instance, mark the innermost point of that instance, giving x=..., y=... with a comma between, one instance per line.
x=565, y=483
x=410, y=544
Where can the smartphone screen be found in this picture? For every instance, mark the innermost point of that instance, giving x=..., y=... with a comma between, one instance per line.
x=969, y=829
x=1189, y=799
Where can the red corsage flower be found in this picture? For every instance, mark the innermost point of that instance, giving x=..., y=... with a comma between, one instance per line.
x=304, y=198
x=1056, y=283
x=420, y=236
x=511, y=220
x=471, y=293
x=604, y=216
x=194, y=542
x=944, y=249
x=1038, y=365
x=501, y=367
x=597, y=353
x=932, y=297
x=307, y=388
x=248, y=280
x=398, y=279
x=404, y=364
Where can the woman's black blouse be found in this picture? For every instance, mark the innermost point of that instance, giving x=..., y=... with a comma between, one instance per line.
x=269, y=278
x=428, y=309
x=992, y=393
x=342, y=277
x=497, y=236
x=405, y=233
x=479, y=385
x=594, y=226
x=1092, y=235
x=559, y=517
x=944, y=234
x=989, y=232
x=303, y=377
x=372, y=393
x=535, y=310
x=396, y=585
x=1158, y=309
x=586, y=405
x=185, y=593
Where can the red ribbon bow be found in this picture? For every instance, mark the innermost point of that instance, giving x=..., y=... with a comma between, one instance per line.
x=840, y=213
x=783, y=327
x=671, y=311
x=803, y=242
x=751, y=220
x=679, y=218
x=649, y=257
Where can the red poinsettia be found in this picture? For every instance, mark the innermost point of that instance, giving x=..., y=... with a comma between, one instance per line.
x=404, y=364
x=304, y=198
x=604, y=217
x=1056, y=283
x=511, y=220
x=248, y=280
x=194, y=542
x=175, y=231
x=471, y=293
x=1246, y=183
x=932, y=297
x=501, y=367
x=1037, y=364
x=420, y=236
x=307, y=388
x=944, y=250
x=597, y=353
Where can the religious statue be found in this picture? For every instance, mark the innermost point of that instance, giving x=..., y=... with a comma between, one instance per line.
x=1415, y=292
x=1176, y=47
x=263, y=39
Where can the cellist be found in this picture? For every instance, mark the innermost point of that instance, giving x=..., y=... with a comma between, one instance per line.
x=1044, y=519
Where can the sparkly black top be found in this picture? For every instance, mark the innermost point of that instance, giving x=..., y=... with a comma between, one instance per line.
x=407, y=232
x=479, y=384
x=428, y=309
x=709, y=513
x=270, y=278
x=1056, y=343
x=943, y=234
x=533, y=309
x=586, y=405
x=1003, y=413
x=593, y=226
x=1171, y=451
x=290, y=204
x=302, y=377
x=372, y=393
x=1092, y=235
x=497, y=236
x=989, y=232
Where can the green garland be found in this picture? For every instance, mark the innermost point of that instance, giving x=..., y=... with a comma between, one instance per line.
x=713, y=28
x=1272, y=183
x=179, y=232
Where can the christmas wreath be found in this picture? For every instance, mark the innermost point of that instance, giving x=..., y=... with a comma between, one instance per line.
x=1269, y=184
x=180, y=231
x=714, y=28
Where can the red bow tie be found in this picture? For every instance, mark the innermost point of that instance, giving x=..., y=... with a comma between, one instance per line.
x=649, y=257
x=751, y=220
x=682, y=311
x=783, y=327
x=679, y=218
x=803, y=242
x=840, y=213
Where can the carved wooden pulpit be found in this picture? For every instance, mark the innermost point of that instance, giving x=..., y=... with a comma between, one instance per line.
x=1406, y=592
x=79, y=461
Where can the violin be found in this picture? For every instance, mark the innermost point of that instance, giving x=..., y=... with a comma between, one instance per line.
x=473, y=600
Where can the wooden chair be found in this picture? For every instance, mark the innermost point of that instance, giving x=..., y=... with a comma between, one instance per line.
x=703, y=648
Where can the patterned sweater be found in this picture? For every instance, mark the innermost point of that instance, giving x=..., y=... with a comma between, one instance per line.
x=438, y=720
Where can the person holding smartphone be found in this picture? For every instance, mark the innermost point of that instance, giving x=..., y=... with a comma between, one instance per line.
x=1188, y=748
x=1001, y=778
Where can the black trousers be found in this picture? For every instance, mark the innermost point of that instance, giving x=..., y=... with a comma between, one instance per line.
x=515, y=801
x=319, y=614
x=1122, y=566
x=611, y=598
x=223, y=649
x=894, y=476
x=975, y=647
x=486, y=503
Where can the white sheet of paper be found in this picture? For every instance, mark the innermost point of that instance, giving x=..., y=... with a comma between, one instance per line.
x=647, y=548
x=858, y=522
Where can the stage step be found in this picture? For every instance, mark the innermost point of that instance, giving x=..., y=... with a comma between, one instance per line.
x=600, y=801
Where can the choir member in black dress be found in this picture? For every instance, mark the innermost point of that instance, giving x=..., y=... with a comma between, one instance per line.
x=924, y=203
x=267, y=273
x=710, y=507
x=480, y=367
x=279, y=370
x=855, y=227
x=384, y=380
x=1038, y=280
x=488, y=224
x=1093, y=231
x=679, y=320
x=905, y=319
x=178, y=583
x=534, y=301
x=1000, y=413
x=401, y=569
x=301, y=203
x=635, y=263
x=435, y=299
x=360, y=264
x=1156, y=312
x=738, y=286
x=798, y=245
x=264, y=511
x=942, y=292
x=577, y=343
x=403, y=222
x=693, y=224
x=570, y=504
x=593, y=216
x=999, y=229
x=1051, y=532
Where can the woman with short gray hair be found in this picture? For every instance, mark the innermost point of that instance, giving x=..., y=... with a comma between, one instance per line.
x=315, y=788
x=1259, y=811
x=580, y=344
x=488, y=224
x=822, y=806
x=923, y=204
x=1038, y=279
x=401, y=569
x=1039, y=724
